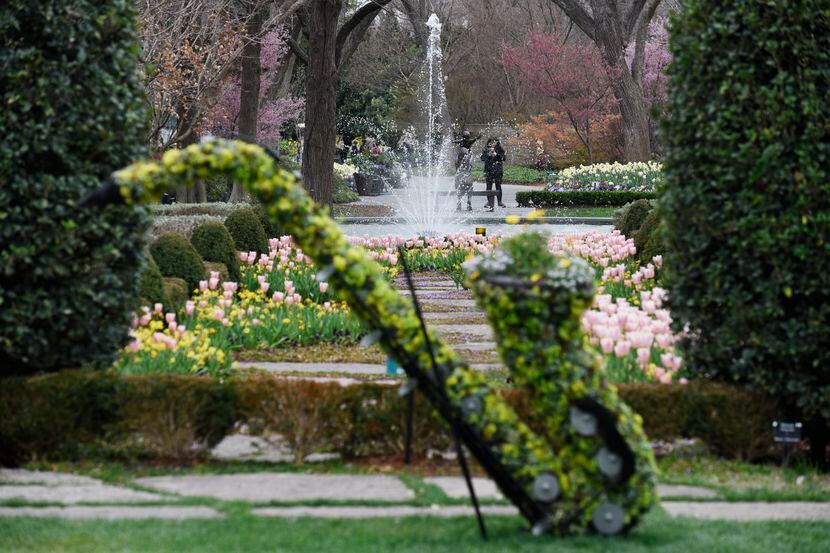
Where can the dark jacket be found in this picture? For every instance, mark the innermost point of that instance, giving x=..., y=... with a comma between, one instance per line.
x=493, y=158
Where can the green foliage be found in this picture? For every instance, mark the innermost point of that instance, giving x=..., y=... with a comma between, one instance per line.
x=245, y=226
x=220, y=268
x=271, y=229
x=151, y=290
x=648, y=238
x=177, y=291
x=214, y=243
x=218, y=189
x=583, y=198
x=746, y=204
x=177, y=258
x=64, y=415
x=73, y=112
x=632, y=216
x=366, y=113
x=341, y=193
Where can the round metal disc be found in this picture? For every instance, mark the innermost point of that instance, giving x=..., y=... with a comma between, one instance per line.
x=546, y=487
x=471, y=405
x=610, y=464
x=609, y=519
x=584, y=423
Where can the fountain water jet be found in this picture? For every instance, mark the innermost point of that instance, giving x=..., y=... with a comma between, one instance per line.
x=423, y=203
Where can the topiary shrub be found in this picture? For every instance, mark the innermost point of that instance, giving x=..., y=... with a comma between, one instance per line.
x=214, y=243
x=633, y=216
x=151, y=290
x=219, y=268
x=176, y=291
x=648, y=239
x=272, y=229
x=73, y=112
x=246, y=229
x=177, y=258
x=747, y=199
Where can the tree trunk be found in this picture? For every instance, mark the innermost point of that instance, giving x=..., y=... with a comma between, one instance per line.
x=634, y=117
x=321, y=87
x=818, y=431
x=249, y=93
x=198, y=193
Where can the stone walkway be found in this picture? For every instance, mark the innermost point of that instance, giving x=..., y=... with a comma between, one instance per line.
x=30, y=490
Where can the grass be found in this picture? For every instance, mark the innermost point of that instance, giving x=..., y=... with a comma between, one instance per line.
x=581, y=212
x=244, y=532
x=515, y=174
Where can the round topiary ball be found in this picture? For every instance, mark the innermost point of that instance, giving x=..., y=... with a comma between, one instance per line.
x=247, y=232
x=633, y=216
x=647, y=238
x=177, y=258
x=152, y=284
x=214, y=243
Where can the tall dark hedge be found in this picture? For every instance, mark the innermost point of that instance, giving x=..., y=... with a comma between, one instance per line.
x=72, y=113
x=746, y=205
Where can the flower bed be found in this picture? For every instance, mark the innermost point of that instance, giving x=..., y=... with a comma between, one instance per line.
x=637, y=177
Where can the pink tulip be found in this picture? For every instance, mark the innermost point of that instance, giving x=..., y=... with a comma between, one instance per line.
x=188, y=308
x=323, y=287
x=264, y=286
x=327, y=305
x=203, y=285
x=158, y=308
x=607, y=345
x=145, y=319
x=289, y=300
x=218, y=314
x=214, y=274
x=622, y=349
x=658, y=260
x=172, y=326
x=135, y=345
x=212, y=283
x=278, y=297
x=643, y=355
x=243, y=256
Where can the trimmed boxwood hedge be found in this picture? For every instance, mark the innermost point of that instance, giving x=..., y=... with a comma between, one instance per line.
x=73, y=112
x=746, y=205
x=177, y=258
x=152, y=284
x=580, y=198
x=247, y=231
x=214, y=243
x=61, y=415
x=632, y=217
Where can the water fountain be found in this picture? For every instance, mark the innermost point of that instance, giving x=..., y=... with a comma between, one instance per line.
x=423, y=203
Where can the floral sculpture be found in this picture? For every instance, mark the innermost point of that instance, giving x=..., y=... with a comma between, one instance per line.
x=592, y=468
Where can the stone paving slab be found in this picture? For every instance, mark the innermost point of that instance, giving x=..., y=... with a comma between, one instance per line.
x=101, y=493
x=269, y=486
x=241, y=447
x=456, y=488
x=430, y=316
x=46, y=478
x=453, y=294
x=477, y=330
x=746, y=511
x=397, y=511
x=112, y=513
x=476, y=346
x=673, y=490
x=442, y=301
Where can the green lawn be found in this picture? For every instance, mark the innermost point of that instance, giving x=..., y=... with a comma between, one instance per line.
x=244, y=533
x=515, y=174
x=581, y=212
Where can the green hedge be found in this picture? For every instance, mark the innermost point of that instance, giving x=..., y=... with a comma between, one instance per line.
x=214, y=243
x=583, y=198
x=73, y=112
x=245, y=226
x=177, y=258
x=151, y=290
x=746, y=205
x=58, y=416
x=648, y=238
x=631, y=217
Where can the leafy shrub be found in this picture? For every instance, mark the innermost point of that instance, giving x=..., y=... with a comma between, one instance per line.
x=73, y=113
x=246, y=229
x=176, y=291
x=66, y=414
x=214, y=243
x=180, y=224
x=632, y=217
x=341, y=193
x=272, y=229
x=218, y=189
x=151, y=290
x=583, y=198
x=214, y=209
x=177, y=258
x=648, y=239
x=746, y=204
